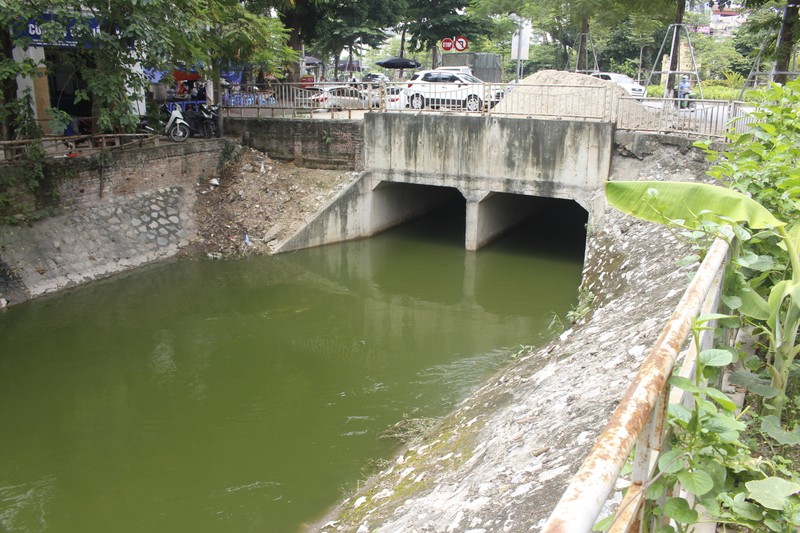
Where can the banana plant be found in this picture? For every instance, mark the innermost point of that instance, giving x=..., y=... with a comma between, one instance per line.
x=697, y=206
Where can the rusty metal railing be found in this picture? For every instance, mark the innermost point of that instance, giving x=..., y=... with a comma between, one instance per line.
x=56, y=146
x=639, y=419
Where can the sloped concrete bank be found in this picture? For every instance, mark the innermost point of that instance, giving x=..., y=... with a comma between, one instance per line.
x=501, y=461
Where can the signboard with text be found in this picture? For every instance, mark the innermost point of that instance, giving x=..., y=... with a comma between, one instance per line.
x=33, y=31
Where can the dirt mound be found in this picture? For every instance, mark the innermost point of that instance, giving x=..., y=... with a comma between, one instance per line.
x=561, y=95
x=575, y=79
x=259, y=202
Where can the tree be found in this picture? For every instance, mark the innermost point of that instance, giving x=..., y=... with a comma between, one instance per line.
x=428, y=22
x=120, y=38
x=788, y=35
x=354, y=25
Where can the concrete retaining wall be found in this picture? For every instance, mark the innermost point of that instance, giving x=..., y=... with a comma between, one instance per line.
x=553, y=159
x=326, y=144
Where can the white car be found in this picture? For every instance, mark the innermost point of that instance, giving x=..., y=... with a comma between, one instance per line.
x=626, y=82
x=464, y=69
x=331, y=97
x=444, y=88
x=395, y=98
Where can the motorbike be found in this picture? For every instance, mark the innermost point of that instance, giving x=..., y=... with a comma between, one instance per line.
x=211, y=117
x=182, y=125
x=684, y=101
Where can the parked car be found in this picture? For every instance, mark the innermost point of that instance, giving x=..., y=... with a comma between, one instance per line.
x=626, y=82
x=442, y=88
x=464, y=69
x=375, y=78
x=330, y=97
x=395, y=98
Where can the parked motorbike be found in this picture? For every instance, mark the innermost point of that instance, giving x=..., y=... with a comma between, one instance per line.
x=211, y=118
x=145, y=126
x=182, y=125
x=176, y=128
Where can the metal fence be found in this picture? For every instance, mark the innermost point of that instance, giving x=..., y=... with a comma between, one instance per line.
x=638, y=422
x=701, y=118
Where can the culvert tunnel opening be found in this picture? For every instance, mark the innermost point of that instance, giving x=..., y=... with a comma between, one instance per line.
x=548, y=234
x=514, y=223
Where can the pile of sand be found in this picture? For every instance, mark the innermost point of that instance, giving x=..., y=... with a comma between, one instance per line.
x=562, y=95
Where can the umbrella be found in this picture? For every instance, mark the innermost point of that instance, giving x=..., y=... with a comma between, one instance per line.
x=398, y=62
x=312, y=61
x=353, y=65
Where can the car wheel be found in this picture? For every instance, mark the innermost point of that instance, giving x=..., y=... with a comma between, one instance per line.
x=473, y=103
x=417, y=101
x=178, y=133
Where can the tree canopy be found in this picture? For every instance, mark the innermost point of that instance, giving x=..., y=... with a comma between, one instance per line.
x=118, y=39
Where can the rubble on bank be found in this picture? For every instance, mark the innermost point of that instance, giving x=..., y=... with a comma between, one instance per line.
x=257, y=202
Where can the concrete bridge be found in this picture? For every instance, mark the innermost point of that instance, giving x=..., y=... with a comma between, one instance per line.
x=501, y=167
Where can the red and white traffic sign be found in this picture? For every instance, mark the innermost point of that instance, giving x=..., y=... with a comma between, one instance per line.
x=460, y=43
x=447, y=44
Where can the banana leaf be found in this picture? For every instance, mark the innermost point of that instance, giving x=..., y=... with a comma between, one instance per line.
x=664, y=202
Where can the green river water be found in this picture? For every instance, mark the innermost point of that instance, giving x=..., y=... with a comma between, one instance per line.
x=248, y=395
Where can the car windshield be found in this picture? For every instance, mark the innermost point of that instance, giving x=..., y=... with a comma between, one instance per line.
x=470, y=78
x=621, y=78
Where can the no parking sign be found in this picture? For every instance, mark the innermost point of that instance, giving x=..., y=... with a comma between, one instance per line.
x=459, y=43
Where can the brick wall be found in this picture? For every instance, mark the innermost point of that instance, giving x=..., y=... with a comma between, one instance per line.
x=132, y=171
x=327, y=144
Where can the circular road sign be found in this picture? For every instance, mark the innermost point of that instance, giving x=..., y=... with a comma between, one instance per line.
x=461, y=43
x=447, y=44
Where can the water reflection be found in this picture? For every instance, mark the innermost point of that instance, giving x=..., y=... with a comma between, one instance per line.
x=247, y=395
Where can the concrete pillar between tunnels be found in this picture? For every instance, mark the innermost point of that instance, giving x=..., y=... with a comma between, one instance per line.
x=490, y=214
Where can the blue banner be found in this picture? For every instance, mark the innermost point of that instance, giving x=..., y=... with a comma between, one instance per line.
x=34, y=32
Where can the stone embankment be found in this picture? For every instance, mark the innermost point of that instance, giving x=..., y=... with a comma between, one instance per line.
x=150, y=205
x=115, y=211
x=501, y=461
x=96, y=241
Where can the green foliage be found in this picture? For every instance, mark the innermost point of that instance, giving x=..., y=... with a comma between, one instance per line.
x=692, y=204
x=228, y=153
x=156, y=34
x=582, y=308
x=763, y=290
x=711, y=462
x=762, y=162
